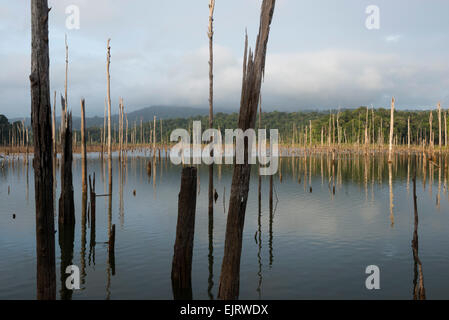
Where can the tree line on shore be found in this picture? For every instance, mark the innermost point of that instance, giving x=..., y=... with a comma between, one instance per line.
x=346, y=125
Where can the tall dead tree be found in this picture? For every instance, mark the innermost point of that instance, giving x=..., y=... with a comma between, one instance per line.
x=66, y=203
x=253, y=72
x=43, y=162
x=408, y=133
x=440, y=140
x=390, y=149
x=66, y=74
x=445, y=129
x=83, y=147
x=211, y=97
x=431, y=132
x=53, y=129
x=108, y=63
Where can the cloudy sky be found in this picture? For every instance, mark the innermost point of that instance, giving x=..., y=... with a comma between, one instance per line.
x=320, y=53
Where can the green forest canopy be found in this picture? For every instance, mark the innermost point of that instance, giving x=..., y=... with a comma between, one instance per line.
x=351, y=121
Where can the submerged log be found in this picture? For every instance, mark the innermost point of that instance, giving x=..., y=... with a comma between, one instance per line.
x=181, y=275
x=43, y=158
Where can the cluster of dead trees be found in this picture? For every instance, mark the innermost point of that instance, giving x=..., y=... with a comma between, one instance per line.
x=253, y=72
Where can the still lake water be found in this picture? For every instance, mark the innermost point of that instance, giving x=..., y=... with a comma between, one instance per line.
x=315, y=245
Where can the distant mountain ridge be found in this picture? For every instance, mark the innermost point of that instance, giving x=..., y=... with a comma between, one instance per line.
x=146, y=114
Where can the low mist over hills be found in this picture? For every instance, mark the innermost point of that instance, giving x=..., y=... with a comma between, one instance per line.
x=146, y=114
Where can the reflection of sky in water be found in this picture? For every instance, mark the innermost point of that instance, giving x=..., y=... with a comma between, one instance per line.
x=319, y=245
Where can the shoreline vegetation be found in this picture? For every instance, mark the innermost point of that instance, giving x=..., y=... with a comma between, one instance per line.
x=349, y=130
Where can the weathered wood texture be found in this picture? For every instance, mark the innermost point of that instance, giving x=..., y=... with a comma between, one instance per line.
x=419, y=292
x=66, y=203
x=83, y=146
x=211, y=100
x=43, y=162
x=108, y=62
x=181, y=275
x=390, y=149
x=253, y=72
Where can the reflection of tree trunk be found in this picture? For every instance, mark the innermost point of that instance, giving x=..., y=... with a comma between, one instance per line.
x=270, y=236
x=419, y=292
x=253, y=69
x=43, y=162
x=111, y=250
x=439, y=183
x=92, y=220
x=390, y=183
x=259, y=243
x=66, y=238
x=210, y=256
x=83, y=237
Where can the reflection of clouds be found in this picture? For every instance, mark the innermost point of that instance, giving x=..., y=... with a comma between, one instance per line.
x=316, y=215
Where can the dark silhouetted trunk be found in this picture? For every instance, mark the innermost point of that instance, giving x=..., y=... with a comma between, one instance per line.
x=253, y=71
x=66, y=204
x=182, y=258
x=43, y=152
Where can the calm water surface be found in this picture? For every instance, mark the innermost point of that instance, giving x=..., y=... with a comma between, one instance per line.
x=315, y=245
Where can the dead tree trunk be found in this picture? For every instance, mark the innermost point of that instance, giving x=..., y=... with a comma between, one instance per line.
x=431, y=133
x=253, y=71
x=53, y=129
x=66, y=203
x=108, y=62
x=83, y=147
x=440, y=140
x=43, y=162
x=390, y=150
x=182, y=258
x=211, y=96
x=408, y=133
x=445, y=129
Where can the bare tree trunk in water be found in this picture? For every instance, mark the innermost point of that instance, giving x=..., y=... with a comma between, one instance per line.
x=43, y=162
x=390, y=150
x=440, y=140
x=108, y=62
x=253, y=71
x=181, y=274
x=66, y=203
x=408, y=133
x=83, y=147
x=211, y=101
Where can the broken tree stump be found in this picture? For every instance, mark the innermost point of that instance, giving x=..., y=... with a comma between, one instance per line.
x=66, y=203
